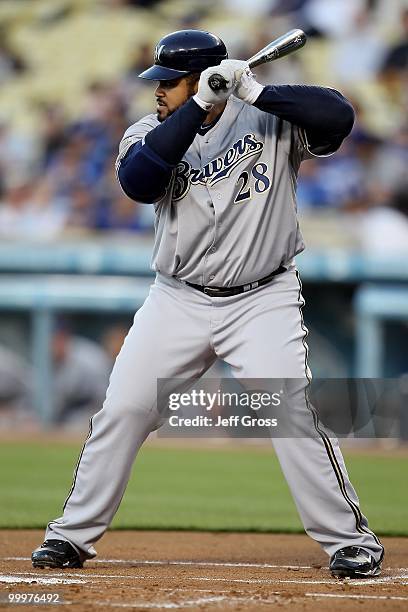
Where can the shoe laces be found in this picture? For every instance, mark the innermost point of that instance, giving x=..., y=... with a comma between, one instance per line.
x=53, y=543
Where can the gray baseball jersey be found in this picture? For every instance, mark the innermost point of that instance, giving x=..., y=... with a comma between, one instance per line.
x=229, y=214
x=228, y=218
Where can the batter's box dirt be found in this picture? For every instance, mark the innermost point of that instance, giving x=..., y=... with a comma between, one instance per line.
x=202, y=571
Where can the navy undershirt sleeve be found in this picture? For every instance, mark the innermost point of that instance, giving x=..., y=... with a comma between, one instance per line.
x=146, y=170
x=143, y=176
x=324, y=113
x=171, y=139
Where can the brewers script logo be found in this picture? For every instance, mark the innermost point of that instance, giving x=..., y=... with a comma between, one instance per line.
x=217, y=169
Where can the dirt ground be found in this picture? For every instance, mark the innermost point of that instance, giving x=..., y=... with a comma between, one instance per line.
x=202, y=571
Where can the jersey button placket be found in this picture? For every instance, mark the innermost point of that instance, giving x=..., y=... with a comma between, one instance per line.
x=216, y=197
x=211, y=248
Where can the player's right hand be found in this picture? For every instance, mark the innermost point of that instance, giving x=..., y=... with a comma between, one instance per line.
x=248, y=88
x=230, y=71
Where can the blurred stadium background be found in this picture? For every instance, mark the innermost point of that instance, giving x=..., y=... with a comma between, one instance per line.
x=74, y=251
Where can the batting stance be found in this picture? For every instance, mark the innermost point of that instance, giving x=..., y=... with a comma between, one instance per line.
x=220, y=169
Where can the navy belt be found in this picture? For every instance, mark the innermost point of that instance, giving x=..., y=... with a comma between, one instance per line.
x=228, y=291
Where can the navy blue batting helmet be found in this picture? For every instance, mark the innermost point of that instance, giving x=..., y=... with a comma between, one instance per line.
x=185, y=51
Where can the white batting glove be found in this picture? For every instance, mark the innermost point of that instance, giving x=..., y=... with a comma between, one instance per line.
x=248, y=88
x=231, y=71
x=238, y=67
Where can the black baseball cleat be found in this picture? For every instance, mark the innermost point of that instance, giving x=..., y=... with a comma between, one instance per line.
x=56, y=553
x=354, y=562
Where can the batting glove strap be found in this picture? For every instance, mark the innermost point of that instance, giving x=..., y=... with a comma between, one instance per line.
x=204, y=105
x=248, y=89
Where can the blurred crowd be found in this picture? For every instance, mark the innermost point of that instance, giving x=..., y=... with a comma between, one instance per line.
x=81, y=370
x=60, y=178
x=65, y=179
x=81, y=366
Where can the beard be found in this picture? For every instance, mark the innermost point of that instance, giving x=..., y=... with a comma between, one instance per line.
x=190, y=94
x=169, y=113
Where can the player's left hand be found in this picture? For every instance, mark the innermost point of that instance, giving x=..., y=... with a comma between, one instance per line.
x=248, y=88
x=230, y=70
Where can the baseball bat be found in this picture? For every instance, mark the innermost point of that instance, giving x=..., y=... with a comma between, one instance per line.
x=282, y=46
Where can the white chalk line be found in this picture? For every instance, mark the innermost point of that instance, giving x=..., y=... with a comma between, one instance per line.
x=193, y=563
x=254, y=600
x=341, y=596
x=229, y=601
x=30, y=577
x=188, y=603
x=400, y=579
x=204, y=564
x=190, y=578
x=20, y=579
x=396, y=579
x=182, y=589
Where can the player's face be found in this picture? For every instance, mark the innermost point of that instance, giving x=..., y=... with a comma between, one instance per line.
x=170, y=95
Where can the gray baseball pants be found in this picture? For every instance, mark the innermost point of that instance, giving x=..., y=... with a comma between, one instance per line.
x=179, y=332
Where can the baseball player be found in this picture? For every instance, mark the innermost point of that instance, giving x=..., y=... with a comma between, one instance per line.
x=220, y=169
